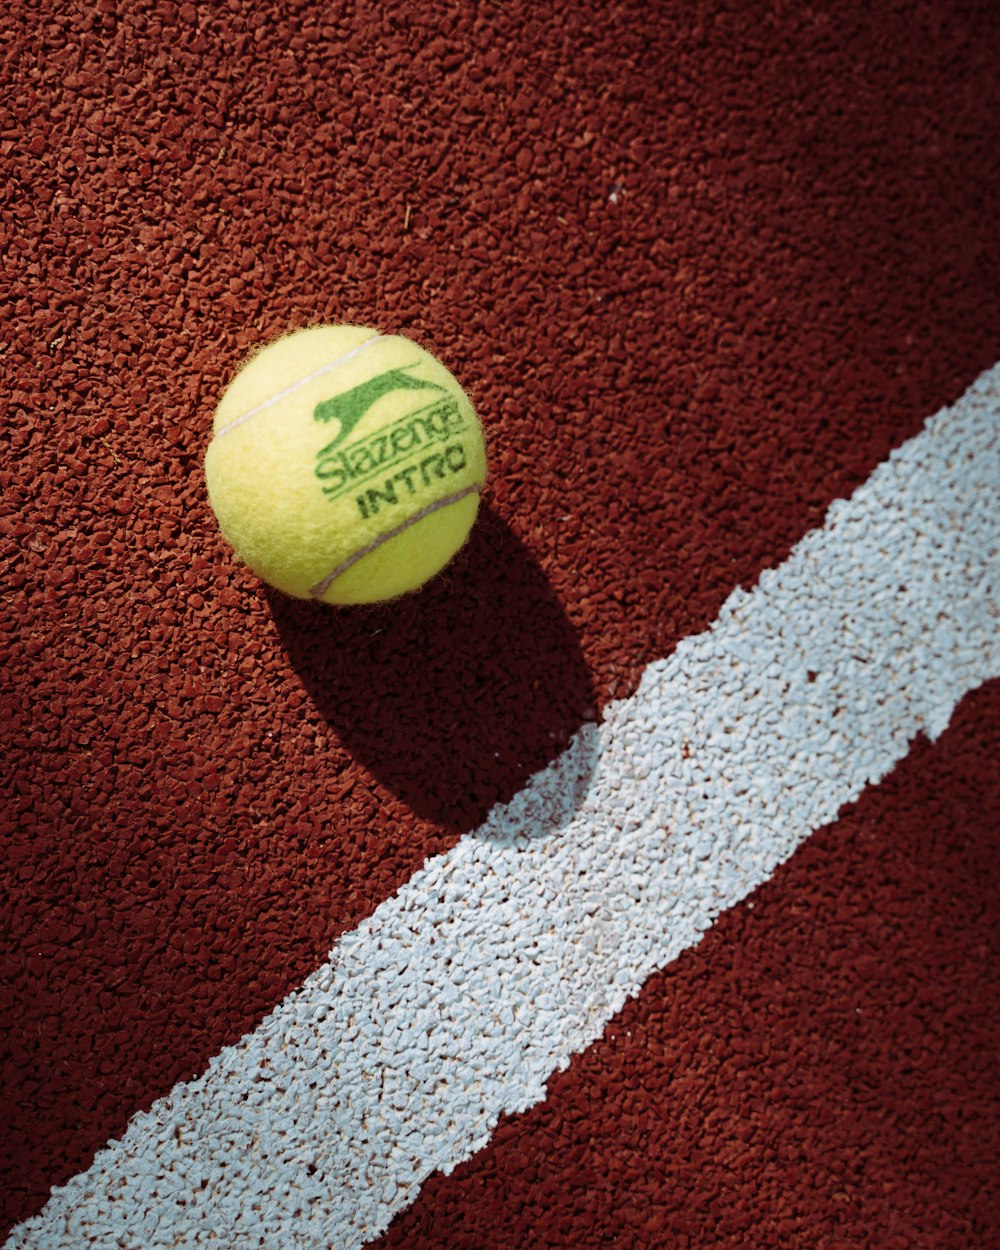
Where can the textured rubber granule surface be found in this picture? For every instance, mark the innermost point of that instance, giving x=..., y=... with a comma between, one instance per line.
x=701, y=269
x=819, y=1071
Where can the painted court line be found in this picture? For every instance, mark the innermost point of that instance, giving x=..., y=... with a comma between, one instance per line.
x=499, y=960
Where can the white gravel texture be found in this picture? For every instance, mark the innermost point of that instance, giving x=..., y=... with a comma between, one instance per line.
x=501, y=959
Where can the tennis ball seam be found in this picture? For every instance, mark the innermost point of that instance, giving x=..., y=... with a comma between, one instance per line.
x=321, y=588
x=297, y=385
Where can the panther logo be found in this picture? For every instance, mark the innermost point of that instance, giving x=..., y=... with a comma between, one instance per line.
x=348, y=408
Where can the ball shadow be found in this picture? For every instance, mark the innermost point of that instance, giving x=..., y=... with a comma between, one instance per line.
x=452, y=697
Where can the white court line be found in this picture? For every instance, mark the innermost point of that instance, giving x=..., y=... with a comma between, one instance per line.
x=499, y=960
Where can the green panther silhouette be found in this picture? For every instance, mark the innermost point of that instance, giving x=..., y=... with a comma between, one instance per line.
x=349, y=407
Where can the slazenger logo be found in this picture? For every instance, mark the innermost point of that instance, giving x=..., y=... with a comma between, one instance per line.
x=343, y=466
x=348, y=409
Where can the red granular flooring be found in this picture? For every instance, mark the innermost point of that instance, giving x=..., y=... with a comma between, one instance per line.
x=701, y=267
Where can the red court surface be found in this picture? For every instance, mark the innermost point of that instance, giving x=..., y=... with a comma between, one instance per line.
x=701, y=269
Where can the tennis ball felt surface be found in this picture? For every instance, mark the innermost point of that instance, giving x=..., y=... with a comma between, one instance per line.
x=345, y=465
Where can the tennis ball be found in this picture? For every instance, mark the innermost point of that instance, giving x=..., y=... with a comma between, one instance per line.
x=345, y=465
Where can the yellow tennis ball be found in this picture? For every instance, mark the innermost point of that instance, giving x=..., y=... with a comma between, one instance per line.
x=345, y=465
